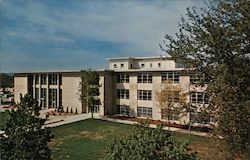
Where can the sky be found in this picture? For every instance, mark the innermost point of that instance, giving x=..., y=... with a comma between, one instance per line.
x=42, y=35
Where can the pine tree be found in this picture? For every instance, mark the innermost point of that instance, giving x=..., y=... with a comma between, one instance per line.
x=25, y=138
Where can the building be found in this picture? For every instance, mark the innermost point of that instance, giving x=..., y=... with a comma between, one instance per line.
x=127, y=88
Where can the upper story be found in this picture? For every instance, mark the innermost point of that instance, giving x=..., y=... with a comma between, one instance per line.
x=158, y=63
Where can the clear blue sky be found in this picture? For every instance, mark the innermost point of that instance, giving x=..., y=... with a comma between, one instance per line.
x=40, y=35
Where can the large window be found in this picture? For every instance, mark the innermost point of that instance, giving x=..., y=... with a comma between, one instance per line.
x=198, y=97
x=43, y=97
x=122, y=94
x=52, y=98
x=144, y=78
x=123, y=110
x=145, y=95
x=43, y=79
x=180, y=65
x=53, y=79
x=172, y=114
x=36, y=79
x=37, y=93
x=122, y=78
x=144, y=112
x=170, y=76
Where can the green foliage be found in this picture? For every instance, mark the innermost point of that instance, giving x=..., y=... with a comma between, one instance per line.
x=215, y=41
x=144, y=143
x=6, y=80
x=24, y=137
x=89, y=89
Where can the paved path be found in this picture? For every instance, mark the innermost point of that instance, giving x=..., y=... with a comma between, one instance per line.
x=154, y=126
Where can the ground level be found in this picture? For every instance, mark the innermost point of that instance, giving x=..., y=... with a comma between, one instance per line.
x=88, y=139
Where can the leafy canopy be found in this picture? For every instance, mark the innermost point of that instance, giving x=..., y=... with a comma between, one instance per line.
x=24, y=137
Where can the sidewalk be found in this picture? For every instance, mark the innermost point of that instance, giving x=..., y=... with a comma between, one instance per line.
x=164, y=128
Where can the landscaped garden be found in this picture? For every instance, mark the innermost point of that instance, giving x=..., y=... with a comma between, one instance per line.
x=88, y=139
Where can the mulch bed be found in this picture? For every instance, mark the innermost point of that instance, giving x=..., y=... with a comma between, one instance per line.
x=157, y=122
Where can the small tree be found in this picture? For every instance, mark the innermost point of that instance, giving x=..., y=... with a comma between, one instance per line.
x=24, y=137
x=171, y=100
x=89, y=89
x=145, y=143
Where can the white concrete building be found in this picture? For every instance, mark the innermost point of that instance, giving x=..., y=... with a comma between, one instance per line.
x=128, y=88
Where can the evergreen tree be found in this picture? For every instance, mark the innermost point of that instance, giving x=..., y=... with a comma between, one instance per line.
x=24, y=137
x=215, y=41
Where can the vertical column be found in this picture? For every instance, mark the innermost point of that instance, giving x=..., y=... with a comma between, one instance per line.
x=58, y=91
x=39, y=84
x=34, y=86
x=47, y=90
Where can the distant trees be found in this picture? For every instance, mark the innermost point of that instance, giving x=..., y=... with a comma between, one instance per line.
x=215, y=41
x=89, y=89
x=144, y=143
x=24, y=136
x=6, y=80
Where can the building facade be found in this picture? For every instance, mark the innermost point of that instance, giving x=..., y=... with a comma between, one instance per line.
x=127, y=88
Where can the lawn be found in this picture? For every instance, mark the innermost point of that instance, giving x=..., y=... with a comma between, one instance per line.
x=88, y=139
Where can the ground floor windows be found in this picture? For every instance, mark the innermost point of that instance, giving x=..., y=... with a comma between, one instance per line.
x=123, y=110
x=144, y=112
x=52, y=98
x=170, y=114
x=198, y=117
x=43, y=97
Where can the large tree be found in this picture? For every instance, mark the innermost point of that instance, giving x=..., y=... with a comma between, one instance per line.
x=24, y=137
x=89, y=89
x=214, y=40
x=145, y=143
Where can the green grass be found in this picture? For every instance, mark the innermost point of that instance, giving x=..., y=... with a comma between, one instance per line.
x=88, y=139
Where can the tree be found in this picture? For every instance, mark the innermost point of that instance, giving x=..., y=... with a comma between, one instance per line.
x=89, y=89
x=6, y=80
x=25, y=138
x=171, y=100
x=145, y=143
x=215, y=41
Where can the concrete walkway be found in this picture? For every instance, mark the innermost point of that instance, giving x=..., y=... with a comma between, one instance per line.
x=164, y=128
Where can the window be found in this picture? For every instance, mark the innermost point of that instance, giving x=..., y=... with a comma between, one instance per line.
x=198, y=117
x=180, y=65
x=123, y=110
x=43, y=79
x=195, y=78
x=142, y=65
x=122, y=78
x=170, y=76
x=122, y=65
x=52, y=98
x=37, y=93
x=173, y=114
x=43, y=97
x=145, y=95
x=131, y=65
x=159, y=65
x=60, y=79
x=151, y=65
x=115, y=65
x=122, y=94
x=198, y=97
x=53, y=79
x=144, y=78
x=36, y=79
x=144, y=112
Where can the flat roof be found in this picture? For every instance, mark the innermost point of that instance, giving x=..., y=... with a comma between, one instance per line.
x=139, y=58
